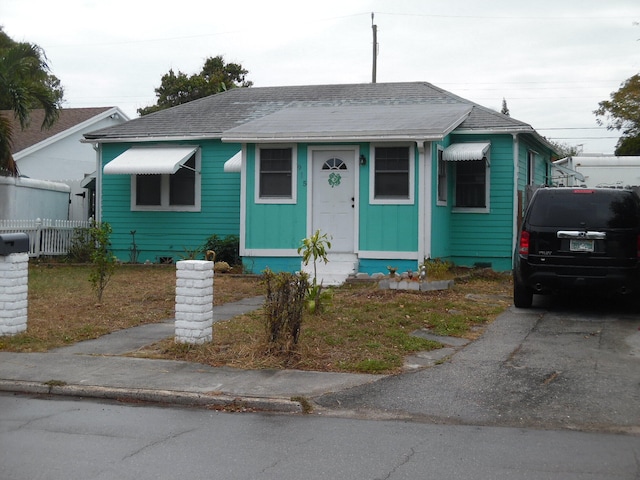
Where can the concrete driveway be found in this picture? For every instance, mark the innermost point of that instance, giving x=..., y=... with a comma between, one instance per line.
x=569, y=363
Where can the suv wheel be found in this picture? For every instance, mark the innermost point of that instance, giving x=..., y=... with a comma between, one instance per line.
x=522, y=295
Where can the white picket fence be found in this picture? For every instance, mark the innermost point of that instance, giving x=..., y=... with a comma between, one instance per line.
x=46, y=237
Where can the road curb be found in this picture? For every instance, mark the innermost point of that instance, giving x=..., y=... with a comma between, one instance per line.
x=165, y=397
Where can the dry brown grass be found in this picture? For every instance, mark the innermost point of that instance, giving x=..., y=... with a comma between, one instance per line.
x=63, y=308
x=361, y=329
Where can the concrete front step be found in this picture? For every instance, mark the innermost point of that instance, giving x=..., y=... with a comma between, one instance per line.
x=336, y=271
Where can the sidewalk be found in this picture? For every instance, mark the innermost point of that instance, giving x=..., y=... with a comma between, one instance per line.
x=96, y=369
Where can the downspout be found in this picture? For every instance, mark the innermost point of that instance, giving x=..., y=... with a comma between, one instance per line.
x=424, y=201
x=516, y=176
x=98, y=148
x=243, y=201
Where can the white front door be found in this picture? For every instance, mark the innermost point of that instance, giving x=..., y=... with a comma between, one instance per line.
x=333, y=202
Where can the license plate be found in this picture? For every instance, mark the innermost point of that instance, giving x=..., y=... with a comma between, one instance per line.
x=581, y=245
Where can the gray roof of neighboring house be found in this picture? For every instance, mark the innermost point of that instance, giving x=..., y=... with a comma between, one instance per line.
x=212, y=116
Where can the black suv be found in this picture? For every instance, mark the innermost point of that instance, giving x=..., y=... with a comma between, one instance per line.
x=578, y=239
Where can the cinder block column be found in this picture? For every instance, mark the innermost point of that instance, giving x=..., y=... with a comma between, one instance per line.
x=194, y=301
x=14, y=289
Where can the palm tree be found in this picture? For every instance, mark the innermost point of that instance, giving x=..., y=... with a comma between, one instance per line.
x=25, y=84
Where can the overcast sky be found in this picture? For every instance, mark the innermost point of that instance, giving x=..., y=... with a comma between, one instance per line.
x=552, y=60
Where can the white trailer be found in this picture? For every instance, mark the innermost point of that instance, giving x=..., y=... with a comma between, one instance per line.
x=597, y=171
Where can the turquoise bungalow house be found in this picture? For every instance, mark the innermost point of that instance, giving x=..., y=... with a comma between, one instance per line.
x=393, y=173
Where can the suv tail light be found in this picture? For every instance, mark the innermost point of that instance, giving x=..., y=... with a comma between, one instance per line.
x=523, y=247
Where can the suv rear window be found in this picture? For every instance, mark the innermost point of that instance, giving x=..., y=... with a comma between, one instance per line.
x=585, y=208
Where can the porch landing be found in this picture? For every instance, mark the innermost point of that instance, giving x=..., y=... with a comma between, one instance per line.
x=336, y=271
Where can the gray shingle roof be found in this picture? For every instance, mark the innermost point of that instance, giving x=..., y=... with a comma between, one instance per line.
x=352, y=122
x=209, y=117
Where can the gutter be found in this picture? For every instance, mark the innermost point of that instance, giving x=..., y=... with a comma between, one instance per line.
x=333, y=139
x=489, y=131
x=149, y=139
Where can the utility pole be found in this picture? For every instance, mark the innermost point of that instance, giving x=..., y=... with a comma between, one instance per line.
x=375, y=50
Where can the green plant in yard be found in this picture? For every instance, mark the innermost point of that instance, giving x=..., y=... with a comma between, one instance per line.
x=437, y=268
x=315, y=247
x=284, y=304
x=102, y=260
x=133, y=249
x=227, y=249
x=191, y=253
x=81, y=246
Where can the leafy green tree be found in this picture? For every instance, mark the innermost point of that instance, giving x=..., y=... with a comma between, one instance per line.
x=622, y=113
x=628, y=146
x=216, y=76
x=25, y=84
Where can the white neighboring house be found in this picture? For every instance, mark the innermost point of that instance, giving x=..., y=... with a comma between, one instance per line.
x=597, y=170
x=57, y=155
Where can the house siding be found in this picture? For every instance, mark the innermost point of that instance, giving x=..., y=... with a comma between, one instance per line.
x=441, y=214
x=465, y=238
x=486, y=238
x=273, y=227
x=172, y=234
x=390, y=228
x=276, y=225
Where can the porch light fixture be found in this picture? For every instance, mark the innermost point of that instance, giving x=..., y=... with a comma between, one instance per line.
x=363, y=160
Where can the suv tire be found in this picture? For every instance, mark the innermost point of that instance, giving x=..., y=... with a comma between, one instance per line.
x=522, y=295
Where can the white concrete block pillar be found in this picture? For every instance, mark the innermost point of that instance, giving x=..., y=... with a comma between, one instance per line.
x=14, y=289
x=194, y=301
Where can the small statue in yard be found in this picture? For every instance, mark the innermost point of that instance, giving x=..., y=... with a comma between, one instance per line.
x=423, y=273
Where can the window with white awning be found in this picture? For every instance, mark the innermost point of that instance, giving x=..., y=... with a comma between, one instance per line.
x=471, y=174
x=162, y=178
x=150, y=161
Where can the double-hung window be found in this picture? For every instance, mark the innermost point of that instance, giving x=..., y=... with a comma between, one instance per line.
x=275, y=175
x=392, y=175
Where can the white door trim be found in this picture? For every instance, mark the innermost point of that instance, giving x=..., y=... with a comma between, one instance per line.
x=356, y=187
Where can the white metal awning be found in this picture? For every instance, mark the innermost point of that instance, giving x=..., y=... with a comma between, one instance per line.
x=466, y=151
x=234, y=164
x=149, y=160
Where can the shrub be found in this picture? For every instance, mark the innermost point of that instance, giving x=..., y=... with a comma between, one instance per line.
x=103, y=261
x=437, y=268
x=81, y=246
x=227, y=249
x=283, y=309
